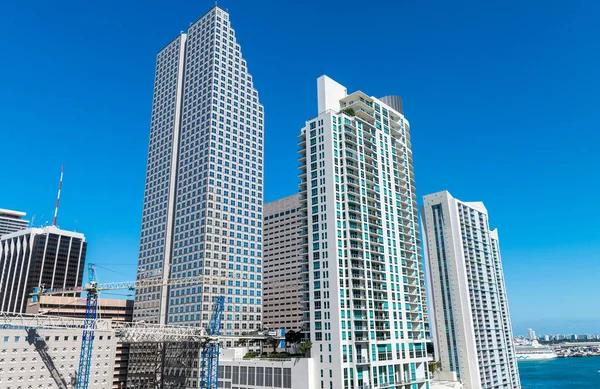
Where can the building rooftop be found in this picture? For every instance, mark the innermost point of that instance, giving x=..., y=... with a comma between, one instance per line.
x=44, y=230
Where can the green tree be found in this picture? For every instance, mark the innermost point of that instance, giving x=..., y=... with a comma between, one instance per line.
x=273, y=343
x=305, y=347
x=349, y=111
x=289, y=338
x=433, y=367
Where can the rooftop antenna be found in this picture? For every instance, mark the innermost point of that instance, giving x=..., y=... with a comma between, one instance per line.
x=62, y=171
x=32, y=225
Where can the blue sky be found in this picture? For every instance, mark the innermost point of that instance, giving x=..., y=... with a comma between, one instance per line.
x=502, y=99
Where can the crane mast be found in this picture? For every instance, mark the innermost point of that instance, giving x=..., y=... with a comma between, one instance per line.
x=209, y=374
x=87, y=338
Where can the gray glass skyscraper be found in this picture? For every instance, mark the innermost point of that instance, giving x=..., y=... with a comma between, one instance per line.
x=202, y=211
x=204, y=182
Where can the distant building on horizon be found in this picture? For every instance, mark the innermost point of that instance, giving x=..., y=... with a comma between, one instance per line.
x=47, y=256
x=531, y=334
x=118, y=311
x=12, y=221
x=471, y=324
x=281, y=276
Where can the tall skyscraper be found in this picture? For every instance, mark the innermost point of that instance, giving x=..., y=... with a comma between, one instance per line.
x=202, y=212
x=204, y=183
x=11, y=221
x=32, y=257
x=362, y=299
x=531, y=334
x=282, y=244
x=471, y=323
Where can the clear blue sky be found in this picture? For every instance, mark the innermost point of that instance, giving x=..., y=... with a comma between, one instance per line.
x=502, y=98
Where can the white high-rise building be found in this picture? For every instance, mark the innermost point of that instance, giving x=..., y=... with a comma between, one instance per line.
x=470, y=320
x=531, y=334
x=362, y=298
x=203, y=197
x=12, y=221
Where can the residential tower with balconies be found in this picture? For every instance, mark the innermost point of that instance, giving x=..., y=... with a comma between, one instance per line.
x=361, y=276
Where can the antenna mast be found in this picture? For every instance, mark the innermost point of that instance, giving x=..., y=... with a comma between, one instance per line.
x=62, y=171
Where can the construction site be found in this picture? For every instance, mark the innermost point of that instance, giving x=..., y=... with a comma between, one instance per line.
x=40, y=350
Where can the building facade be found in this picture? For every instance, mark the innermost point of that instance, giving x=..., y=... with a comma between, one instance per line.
x=48, y=359
x=281, y=283
x=12, y=221
x=362, y=297
x=235, y=372
x=203, y=197
x=48, y=256
x=471, y=322
x=119, y=311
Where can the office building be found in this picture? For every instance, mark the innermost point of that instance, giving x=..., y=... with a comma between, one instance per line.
x=531, y=334
x=12, y=221
x=202, y=212
x=281, y=278
x=117, y=311
x=48, y=256
x=471, y=323
x=49, y=358
x=362, y=297
x=202, y=209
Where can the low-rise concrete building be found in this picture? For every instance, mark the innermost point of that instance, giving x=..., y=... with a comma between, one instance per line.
x=235, y=372
x=111, y=309
x=48, y=359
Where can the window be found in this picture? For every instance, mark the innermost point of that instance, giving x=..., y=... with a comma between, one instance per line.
x=268, y=376
x=277, y=380
x=259, y=376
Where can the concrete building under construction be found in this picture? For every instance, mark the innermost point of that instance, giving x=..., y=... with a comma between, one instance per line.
x=111, y=309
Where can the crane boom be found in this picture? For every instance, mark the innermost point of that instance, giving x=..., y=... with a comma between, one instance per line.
x=128, y=285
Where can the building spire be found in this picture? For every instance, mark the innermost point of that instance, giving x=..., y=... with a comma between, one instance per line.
x=62, y=172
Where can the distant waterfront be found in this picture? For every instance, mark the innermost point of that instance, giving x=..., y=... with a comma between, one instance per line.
x=561, y=373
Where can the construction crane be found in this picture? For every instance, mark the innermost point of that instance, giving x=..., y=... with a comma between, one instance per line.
x=209, y=338
x=209, y=373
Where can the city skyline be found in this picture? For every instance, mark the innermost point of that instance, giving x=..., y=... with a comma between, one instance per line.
x=115, y=165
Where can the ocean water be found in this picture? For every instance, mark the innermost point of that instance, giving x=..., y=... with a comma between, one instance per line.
x=561, y=373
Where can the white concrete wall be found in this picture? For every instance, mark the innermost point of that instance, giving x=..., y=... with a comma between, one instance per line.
x=22, y=365
x=329, y=94
x=303, y=373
